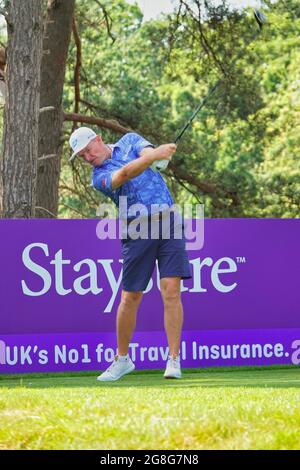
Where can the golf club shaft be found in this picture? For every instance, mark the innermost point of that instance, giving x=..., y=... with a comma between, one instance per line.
x=205, y=99
x=212, y=90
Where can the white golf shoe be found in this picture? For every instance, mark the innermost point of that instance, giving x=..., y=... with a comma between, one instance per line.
x=121, y=366
x=173, y=370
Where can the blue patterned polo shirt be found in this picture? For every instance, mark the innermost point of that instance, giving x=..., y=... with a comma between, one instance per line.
x=148, y=188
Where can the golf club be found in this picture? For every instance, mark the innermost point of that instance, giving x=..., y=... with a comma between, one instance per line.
x=261, y=20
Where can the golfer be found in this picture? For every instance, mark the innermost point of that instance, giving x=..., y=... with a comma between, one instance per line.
x=124, y=169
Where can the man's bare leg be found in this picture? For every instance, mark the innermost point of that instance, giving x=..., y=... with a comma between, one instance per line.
x=173, y=312
x=126, y=319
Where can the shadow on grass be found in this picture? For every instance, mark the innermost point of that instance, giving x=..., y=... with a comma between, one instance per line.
x=280, y=378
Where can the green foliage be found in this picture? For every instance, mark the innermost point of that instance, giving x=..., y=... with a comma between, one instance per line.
x=150, y=76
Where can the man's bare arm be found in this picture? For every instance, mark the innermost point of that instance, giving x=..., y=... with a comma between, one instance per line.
x=147, y=156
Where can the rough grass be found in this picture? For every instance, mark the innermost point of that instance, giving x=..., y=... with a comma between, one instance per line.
x=236, y=409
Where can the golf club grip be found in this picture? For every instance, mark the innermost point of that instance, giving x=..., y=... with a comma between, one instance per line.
x=213, y=89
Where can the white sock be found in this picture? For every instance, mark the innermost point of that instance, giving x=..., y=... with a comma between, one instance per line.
x=123, y=358
x=177, y=358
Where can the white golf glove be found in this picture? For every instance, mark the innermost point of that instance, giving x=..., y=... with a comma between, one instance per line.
x=160, y=165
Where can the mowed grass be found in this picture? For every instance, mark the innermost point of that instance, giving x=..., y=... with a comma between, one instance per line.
x=236, y=409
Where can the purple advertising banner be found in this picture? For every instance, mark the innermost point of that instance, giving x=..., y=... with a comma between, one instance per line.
x=60, y=286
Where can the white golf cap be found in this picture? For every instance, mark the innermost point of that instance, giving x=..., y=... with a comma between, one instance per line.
x=80, y=139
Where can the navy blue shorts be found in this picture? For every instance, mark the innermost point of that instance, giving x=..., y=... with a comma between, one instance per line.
x=140, y=255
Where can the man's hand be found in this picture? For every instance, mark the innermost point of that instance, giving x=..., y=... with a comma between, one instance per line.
x=164, y=152
x=147, y=157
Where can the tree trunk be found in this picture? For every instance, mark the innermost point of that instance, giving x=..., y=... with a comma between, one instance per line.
x=56, y=44
x=20, y=140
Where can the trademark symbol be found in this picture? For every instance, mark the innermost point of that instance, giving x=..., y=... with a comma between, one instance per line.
x=240, y=259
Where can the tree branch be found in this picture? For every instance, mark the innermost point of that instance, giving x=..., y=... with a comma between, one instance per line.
x=45, y=210
x=203, y=39
x=46, y=157
x=45, y=109
x=103, y=123
x=86, y=196
x=189, y=190
x=84, y=216
x=104, y=111
x=108, y=21
x=206, y=188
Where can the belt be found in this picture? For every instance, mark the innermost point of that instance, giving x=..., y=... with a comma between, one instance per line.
x=157, y=216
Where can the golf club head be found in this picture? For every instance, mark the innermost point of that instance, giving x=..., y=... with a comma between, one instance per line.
x=260, y=18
